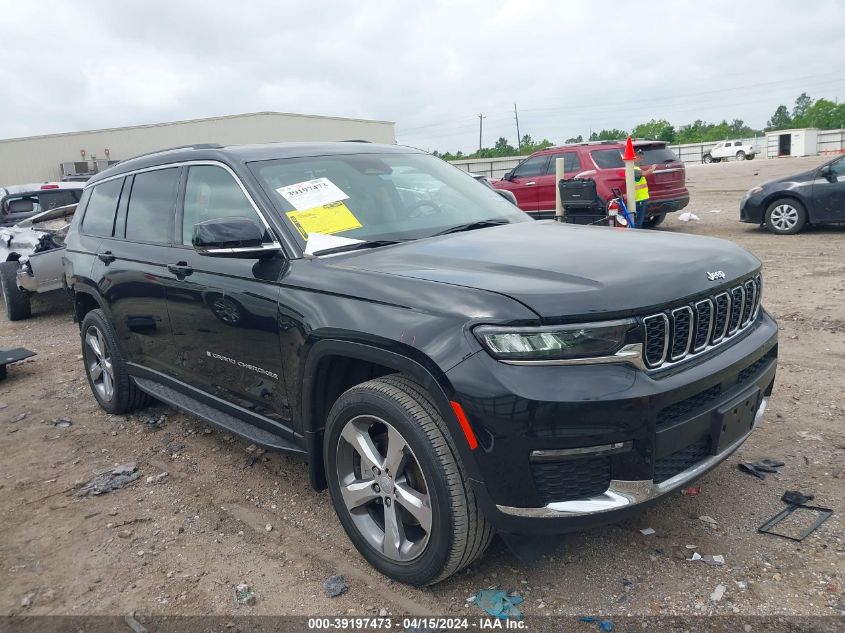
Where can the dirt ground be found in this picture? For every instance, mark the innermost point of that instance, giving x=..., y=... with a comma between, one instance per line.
x=225, y=513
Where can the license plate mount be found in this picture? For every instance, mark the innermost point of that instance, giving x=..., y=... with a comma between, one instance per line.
x=735, y=419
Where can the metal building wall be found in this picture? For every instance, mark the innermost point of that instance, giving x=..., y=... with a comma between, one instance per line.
x=37, y=158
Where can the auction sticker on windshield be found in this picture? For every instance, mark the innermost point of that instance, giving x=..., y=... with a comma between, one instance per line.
x=334, y=217
x=311, y=193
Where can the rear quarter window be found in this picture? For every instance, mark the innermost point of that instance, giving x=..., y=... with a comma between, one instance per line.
x=659, y=155
x=607, y=158
x=99, y=213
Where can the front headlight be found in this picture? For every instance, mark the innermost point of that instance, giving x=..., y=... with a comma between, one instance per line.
x=555, y=342
x=752, y=191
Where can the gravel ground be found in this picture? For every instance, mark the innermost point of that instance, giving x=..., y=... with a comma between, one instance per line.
x=227, y=513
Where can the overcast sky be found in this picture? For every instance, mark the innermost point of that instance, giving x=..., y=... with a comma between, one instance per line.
x=430, y=66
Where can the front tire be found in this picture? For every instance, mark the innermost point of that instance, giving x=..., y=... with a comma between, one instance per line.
x=398, y=485
x=740, y=155
x=785, y=216
x=18, y=306
x=707, y=159
x=105, y=367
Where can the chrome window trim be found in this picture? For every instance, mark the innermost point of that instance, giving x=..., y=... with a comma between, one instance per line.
x=214, y=163
x=672, y=356
x=665, y=338
x=695, y=349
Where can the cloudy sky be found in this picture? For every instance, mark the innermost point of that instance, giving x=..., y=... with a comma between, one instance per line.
x=431, y=67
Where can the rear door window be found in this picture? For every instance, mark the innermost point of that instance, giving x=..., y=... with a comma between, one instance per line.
x=607, y=158
x=99, y=214
x=571, y=162
x=152, y=203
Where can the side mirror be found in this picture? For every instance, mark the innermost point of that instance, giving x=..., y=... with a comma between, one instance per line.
x=826, y=172
x=507, y=195
x=508, y=175
x=231, y=237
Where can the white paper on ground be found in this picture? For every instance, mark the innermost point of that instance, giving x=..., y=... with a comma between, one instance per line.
x=687, y=216
x=311, y=193
x=320, y=241
x=647, y=531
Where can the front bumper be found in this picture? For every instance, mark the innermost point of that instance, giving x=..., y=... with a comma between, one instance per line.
x=751, y=210
x=661, y=429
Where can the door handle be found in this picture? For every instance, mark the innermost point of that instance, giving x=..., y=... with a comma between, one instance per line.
x=106, y=257
x=180, y=269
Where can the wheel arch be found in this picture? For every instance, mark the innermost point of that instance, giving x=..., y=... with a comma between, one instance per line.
x=333, y=366
x=84, y=301
x=791, y=195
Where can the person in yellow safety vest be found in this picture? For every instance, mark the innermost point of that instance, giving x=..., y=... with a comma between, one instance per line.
x=641, y=189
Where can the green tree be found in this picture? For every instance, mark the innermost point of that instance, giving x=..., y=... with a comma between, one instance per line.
x=802, y=104
x=575, y=139
x=823, y=114
x=781, y=120
x=660, y=129
x=503, y=148
x=609, y=135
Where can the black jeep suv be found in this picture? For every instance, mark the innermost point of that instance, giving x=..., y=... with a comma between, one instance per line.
x=447, y=365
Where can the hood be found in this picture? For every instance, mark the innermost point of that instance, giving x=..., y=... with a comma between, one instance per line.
x=804, y=176
x=564, y=270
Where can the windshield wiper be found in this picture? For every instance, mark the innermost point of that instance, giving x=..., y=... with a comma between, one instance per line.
x=471, y=226
x=356, y=246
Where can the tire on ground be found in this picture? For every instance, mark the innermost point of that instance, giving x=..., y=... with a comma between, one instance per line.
x=772, y=210
x=18, y=306
x=460, y=533
x=652, y=221
x=127, y=396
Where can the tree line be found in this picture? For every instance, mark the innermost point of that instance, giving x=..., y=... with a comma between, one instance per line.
x=807, y=112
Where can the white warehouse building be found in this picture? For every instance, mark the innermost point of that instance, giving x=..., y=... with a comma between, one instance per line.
x=57, y=156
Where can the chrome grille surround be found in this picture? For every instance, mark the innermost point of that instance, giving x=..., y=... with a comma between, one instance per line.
x=692, y=329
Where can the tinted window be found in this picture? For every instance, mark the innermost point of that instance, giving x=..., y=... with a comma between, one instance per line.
x=607, y=158
x=534, y=166
x=728, y=144
x=838, y=168
x=99, y=214
x=658, y=156
x=149, y=217
x=571, y=162
x=212, y=193
x=57, y=198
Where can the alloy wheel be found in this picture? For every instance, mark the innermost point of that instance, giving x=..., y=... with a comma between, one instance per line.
x=784, y=217
x=98, y=363
x=383, y=488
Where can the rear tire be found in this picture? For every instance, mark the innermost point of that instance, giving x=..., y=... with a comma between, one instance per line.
x=750, y=157
x=652, y=221
x=785, y=216
x=740, y=155
x=18, y=306
x=105, y=367
x=395, y=411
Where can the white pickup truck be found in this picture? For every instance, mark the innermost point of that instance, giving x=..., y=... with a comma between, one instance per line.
x=729, y=149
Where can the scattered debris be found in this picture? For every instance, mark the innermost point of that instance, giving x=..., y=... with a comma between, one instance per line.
x=26, y=601
x=244, y=594
x=3, y=405
x=62, y=422
x=110, y=480
x=647, y=531
x=795, y=497
x=714, y=211
x=716, y=560
x=268, y=527
x=383, y=613
x=692, y=491
x=334, y=586
x=708, y=519
x=12, y=356
x=686, y=216
x=806, y=435
x=19, y=418
x=823, y=514
x=760, y=467
x=499, y=604
x=157, y=479
x=134, y=624
x=153, y=420
x=603, y=625
x=124, y=534
x=174, y=447
x=718, y=593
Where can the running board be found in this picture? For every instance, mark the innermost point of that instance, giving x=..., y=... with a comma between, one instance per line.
x=219, y=418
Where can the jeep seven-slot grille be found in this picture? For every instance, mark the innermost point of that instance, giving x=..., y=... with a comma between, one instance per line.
x=680, y=332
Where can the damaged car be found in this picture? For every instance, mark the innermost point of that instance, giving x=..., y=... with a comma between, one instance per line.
x=31, y=258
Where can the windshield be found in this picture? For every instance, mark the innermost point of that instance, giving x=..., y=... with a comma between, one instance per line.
x=335, y=200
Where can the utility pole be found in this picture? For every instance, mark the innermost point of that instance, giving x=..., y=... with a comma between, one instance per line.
x=518, y=137
x=481, y=118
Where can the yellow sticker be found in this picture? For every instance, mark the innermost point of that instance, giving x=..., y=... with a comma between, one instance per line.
x=327, y=219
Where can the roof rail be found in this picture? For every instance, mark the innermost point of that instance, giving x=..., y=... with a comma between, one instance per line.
x=170, y=149
x=354, y=140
